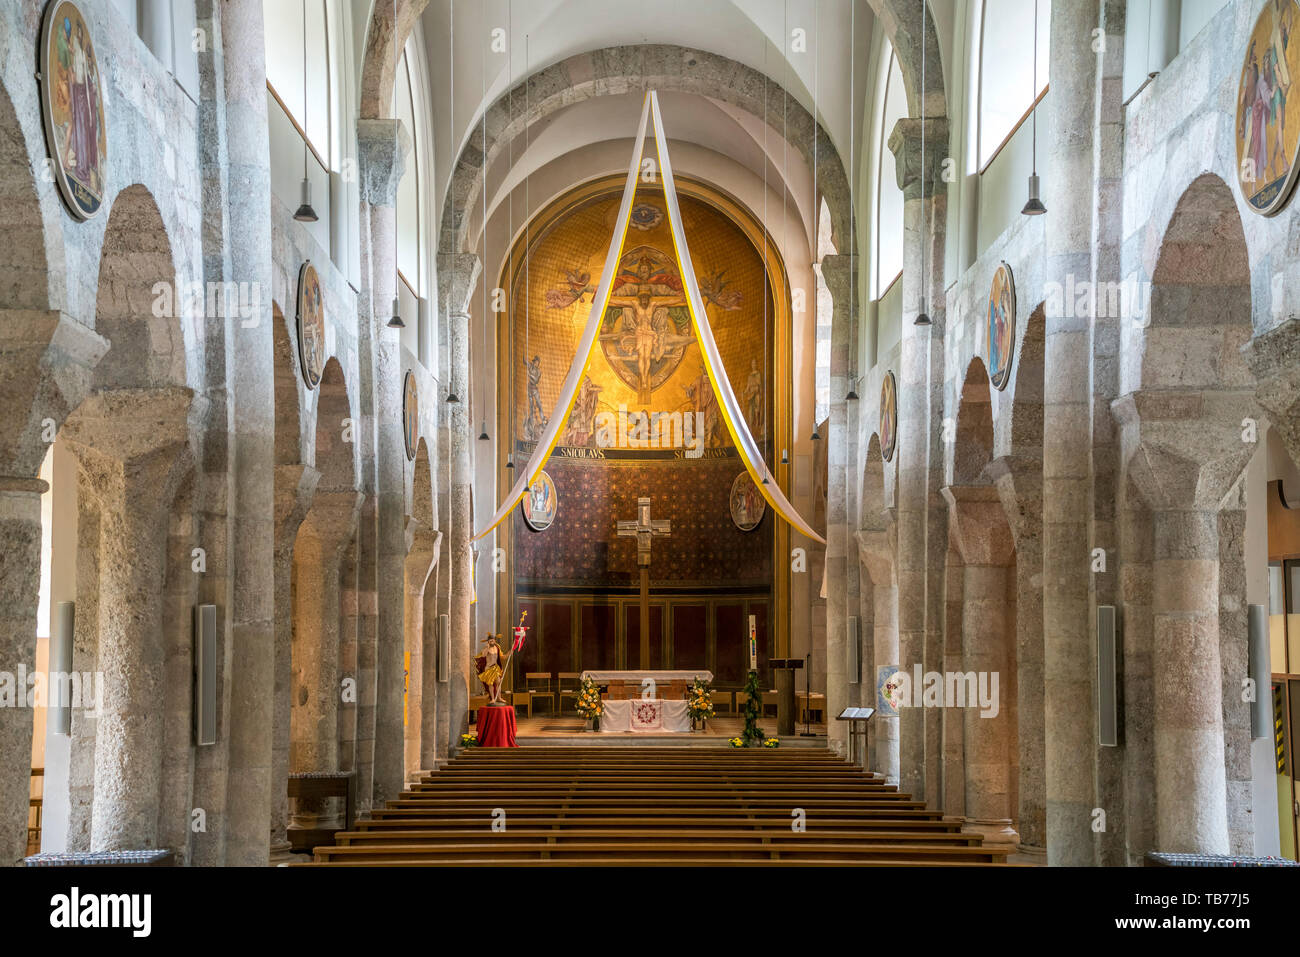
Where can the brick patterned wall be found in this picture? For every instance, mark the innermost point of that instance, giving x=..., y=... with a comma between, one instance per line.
x=705, y=548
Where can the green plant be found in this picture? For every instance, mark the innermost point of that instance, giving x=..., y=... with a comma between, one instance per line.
x=753, y=734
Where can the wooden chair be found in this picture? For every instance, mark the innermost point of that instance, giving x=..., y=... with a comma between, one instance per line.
x=539, y=687
x=476, y=701
x=570, y=686
x=524, y=698
x=769, y=700
x=722, y=699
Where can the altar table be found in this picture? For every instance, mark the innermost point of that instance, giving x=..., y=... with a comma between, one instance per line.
x=630, y=684
x=644, y=715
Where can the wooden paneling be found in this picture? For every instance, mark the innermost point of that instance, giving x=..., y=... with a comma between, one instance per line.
x=557, y=637
x=730, y=631
x=599, y=629
x=632, y=646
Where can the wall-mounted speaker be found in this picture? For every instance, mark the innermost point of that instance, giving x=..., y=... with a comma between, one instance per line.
x=444, y=647
x=205, y=674
x=1261, y=672
x=1107, y=678
x=852, y=650
x=60, y=671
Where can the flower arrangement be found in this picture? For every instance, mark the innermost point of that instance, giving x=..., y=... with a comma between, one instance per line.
x=772, y=742
x=469, y=740
x=589, y=704
x=699, y=700
x=736, y=742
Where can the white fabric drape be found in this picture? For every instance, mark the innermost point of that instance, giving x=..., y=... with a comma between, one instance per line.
x=750, y=452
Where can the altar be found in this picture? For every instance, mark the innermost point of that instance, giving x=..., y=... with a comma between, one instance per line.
x=670, y=685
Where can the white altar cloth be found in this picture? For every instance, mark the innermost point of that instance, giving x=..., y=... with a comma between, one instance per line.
x=645, y=715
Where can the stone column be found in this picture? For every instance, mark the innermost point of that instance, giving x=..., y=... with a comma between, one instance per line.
x=984, y=541
x=841, y=280
x=419, y=563
x=876, y=551
x=1020, y=487
x=294, y=488
x=313, y=746
x=1191, y=785
x=457, y=276
x=236, y=181
x=921, y=542
x=382, y=146
x=1067, y=145
x=44, y=372
x=133, y=449
x=462, y=525
x=1184, y=453
x=20, y=578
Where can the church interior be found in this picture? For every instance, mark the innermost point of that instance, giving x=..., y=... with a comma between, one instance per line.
x=590, y=432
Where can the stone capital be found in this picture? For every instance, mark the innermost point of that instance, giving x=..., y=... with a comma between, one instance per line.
x=1185, y=449
x=422, y=545
x=905, y=143
x=457, y=276
x=133, y=444
x=45, y=372
x=1019, y=481
x=876, y=552
x=977, y=525
x=1274, y=359
x=331, y=520
x=382, y=146
x=294, y=487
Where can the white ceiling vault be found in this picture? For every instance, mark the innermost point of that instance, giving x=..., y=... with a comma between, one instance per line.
x=593, y=136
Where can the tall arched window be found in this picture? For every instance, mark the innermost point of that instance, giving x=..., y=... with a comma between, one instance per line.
x=1008, y=83
x=888, y=238
x=407, y=104
x=311, y=107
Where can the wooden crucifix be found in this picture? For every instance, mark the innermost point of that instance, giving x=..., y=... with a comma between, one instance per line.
x=645, y=531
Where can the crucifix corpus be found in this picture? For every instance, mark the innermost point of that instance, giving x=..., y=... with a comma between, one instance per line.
x=645, y=531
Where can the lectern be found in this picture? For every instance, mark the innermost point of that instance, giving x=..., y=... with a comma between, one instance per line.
x=783, y=670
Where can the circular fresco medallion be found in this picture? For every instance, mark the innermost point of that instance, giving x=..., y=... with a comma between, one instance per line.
x=72, y=101
x=888, y=416
x=311, y=326
x=540, y=503
x=411, y=414
x=1268, y=120
x=1002, y=327
x=747, y=503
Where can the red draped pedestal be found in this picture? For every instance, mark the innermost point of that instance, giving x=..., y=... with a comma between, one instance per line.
x=496, y=726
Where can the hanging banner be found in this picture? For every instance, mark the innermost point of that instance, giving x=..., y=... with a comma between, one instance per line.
x=586, y=345
x=748, y=448
x=750, y=453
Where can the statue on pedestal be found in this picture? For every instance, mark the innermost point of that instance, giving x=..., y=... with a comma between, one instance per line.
x=490, y=670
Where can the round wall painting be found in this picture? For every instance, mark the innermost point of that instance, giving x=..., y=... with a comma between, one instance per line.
x=540, y=503
x=1268, y=120
x=747, y=503
x=411, y=414
x=311, y=326
x=1002, y=327
x=888, y=416
x=72, y=101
